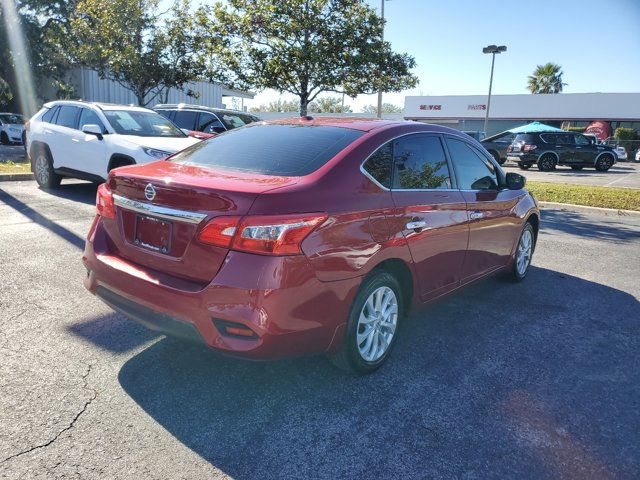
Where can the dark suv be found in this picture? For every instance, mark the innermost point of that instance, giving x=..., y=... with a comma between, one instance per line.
x=549, y=149
x=206, y=120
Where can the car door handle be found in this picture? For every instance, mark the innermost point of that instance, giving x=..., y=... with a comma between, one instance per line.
x=475, y=215
x=416, y=225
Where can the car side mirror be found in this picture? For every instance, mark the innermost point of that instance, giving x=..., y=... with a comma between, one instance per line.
x=515, y=181
x=92, y=129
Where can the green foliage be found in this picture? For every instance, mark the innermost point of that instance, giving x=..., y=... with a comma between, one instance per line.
x=426, y=178
x=603, y=197
x=302, y=47
x=386, y=108
x=5, y=94
x=329, y=105
x=546, y=78
x=623, y=133
x=574, y=128
x=278, y=106
x=134, y=44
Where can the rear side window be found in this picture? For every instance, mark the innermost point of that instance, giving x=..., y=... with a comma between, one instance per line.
x=548, y=137
x=419, y=163
x=49, y=115
x=209, y=123
x=378, y=165
x=524, y=137
x=472, y=170
x=185, y=119
x=67, y=116
x=287, y=150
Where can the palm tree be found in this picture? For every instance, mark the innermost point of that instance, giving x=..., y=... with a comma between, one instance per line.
x=546, y=79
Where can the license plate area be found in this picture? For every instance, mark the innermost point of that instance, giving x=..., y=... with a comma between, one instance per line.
x=153, y=234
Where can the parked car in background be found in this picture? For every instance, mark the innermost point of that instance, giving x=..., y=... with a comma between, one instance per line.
x=497, y=145
x=87, y=140
x=550, y=149
x=204, y=122
x=306, y=235
x=11, y=128
x=638, y=155
x=475, y=134
x=621, y=153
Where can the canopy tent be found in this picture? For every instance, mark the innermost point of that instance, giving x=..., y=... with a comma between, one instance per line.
x=535, y=127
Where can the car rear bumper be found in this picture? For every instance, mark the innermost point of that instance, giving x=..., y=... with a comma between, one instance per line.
x=521, y=157
x=280, y=299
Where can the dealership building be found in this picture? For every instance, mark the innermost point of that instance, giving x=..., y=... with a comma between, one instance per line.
x=467, y=112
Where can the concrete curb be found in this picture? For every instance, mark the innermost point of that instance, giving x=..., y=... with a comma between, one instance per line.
x=16, y=177
x=584, y=208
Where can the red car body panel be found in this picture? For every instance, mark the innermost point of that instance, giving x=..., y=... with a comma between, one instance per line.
x=299, y=304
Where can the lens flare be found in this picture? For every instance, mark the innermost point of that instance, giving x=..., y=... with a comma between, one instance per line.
x=20, y=55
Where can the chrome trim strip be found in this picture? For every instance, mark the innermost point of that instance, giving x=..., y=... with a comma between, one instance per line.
x=158, y=211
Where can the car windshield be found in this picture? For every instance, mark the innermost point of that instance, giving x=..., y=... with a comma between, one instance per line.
x=141, y=124
x=282, y=150
x=12, y=118
x=235, y=120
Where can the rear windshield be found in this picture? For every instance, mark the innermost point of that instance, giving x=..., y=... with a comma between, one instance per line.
x=286, y=150
x=524, y=137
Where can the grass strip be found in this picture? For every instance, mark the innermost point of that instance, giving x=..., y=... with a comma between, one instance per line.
x=590, y=196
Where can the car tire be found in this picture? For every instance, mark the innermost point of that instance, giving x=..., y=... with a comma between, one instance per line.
x=524, y=166
x=604, y=163
x=43, y=171
x=524, y=252
x=576, y=168
x=372, y=327
x=4, y=138
x=497, y=158
x=547, y=163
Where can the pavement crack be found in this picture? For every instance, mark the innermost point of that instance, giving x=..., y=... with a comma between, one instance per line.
x=93, y=396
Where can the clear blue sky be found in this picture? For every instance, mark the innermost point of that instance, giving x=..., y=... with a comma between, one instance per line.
x=597, y=43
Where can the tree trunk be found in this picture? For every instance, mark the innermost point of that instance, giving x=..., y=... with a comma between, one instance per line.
x=304, y=103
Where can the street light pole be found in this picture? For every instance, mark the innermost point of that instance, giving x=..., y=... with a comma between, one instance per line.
x=492, y=49
x=380, y=91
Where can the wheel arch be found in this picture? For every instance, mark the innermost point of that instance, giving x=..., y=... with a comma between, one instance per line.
x=34, y=147
x=401, y=271
x=534, y=220
x=119, y=160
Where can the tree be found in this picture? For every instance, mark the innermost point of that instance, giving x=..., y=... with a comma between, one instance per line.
x=329, y=105
x=134, y=44
x=386, y=108
x=277, y=106
x=546, y=79
x=304, y=47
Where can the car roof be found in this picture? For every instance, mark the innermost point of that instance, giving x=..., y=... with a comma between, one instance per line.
x=188, y=106
x=355, y=123
x=100, y=105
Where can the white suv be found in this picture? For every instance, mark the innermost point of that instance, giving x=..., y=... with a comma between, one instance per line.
x=86, y=140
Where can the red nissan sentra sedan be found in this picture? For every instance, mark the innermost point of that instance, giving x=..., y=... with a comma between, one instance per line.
x=306, y=235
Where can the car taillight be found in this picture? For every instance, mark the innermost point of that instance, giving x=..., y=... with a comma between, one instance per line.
x=262, y=234
x=529, y=147
x=510, y=148
x=104, y=202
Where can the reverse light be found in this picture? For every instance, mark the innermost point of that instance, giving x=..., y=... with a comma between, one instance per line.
x=104, y=202
x=262, y=234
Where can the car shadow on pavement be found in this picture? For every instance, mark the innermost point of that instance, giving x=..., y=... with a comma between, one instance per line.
x=76, y=191
x=501, y=380
x=578, y=224
x=34, y=216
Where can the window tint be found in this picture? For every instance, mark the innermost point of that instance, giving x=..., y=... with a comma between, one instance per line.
x=185, y=119
x=235, y=120
x=472, y=170
x=581, y=140
x=209, y=123
x=288, y=150
x=378, y=165
x=164, y=113
x=564, y=139
x=67, y=116
x=89, y=117
x=419, y=163
x=524, y=137
x=548, y=137
x=49, y=115
x=142, y=124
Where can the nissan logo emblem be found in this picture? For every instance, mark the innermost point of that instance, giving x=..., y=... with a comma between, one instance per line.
x=149, y=192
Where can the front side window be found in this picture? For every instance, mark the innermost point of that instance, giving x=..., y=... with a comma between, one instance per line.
x=565, y=139
x=582, y=140
x=185, y=119
x=67, y=116
x=281, y=150
x=49, y=115
x=89, y=117
x=378, y=165
x=235, y=120
x=142, y=124
x=420, y=163
x=209, y=123
x=472, y=170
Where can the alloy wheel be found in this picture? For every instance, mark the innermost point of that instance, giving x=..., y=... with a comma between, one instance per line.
x=42, y=169
x=523, y=256
x=377, y=324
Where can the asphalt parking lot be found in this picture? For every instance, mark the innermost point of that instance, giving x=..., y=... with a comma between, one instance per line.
x=622, y=174
x=531, y=380
x=14, y=153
